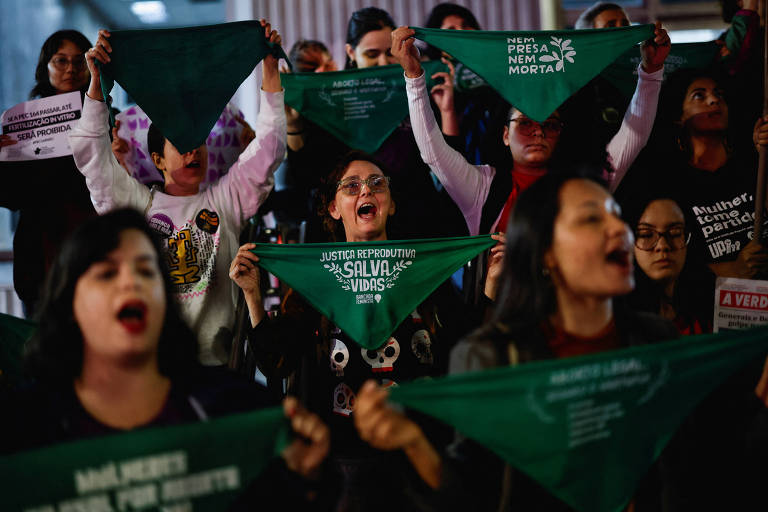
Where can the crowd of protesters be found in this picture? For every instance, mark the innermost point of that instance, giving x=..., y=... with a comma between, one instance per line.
x=125, y=341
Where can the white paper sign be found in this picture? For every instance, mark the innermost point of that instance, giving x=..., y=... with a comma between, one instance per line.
x=41, y=127
x=740, y=303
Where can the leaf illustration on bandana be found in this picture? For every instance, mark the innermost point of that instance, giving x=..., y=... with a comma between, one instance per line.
x=528, y=68
x=369, y=288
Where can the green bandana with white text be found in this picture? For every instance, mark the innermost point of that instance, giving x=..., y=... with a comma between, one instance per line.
x=360, y=107
x=184, y=77
x=586, y=428
x=623, y=72
x=196, y=466
x=536, y=71
x=368, y=288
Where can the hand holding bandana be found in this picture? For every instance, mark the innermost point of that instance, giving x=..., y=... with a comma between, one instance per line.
x=183, y=78
x=368, y=288
x=536, y=70
x=586, y=428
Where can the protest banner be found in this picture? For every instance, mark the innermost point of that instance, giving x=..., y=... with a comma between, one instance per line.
x=536, y=71
x=740, y=304
x=360, y=107
x=586, y=428
x=368, y=288
x=191, y=467
x=622, y=73
x=195, y=72
x=40, y=127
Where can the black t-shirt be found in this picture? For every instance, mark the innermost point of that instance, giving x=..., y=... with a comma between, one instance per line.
x=719, y=207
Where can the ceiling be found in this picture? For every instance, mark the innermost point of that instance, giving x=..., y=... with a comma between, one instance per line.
x=180, y=13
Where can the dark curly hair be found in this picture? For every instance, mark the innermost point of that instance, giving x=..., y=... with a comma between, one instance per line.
x=43, y=87
x=328, y=186
x=55, y=352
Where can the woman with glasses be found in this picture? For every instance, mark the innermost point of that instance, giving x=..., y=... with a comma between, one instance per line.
x=49, y=194
x=330, y=367
x=313, y=152
x=668, y=282
x=485, y=196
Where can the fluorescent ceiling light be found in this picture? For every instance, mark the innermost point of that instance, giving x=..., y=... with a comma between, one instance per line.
x=150, y=12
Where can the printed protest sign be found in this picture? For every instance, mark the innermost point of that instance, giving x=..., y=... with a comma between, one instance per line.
x=623, y=72
x=536, y=71
x=360, y=107
x=191, y=467
x=586, y=428
x=740, y=304
x=368, y=288
x=41, y=127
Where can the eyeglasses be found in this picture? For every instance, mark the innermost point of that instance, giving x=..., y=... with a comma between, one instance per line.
x=549, y=128
x=647, y=238
x=352, y=186
x=61, y=63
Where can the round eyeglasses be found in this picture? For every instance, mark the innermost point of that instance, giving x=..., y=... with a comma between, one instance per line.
x=353, y=186
x=62, y=63
x=550, y=127
x=647, y=238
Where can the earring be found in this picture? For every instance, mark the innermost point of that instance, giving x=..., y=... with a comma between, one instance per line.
x=545, y=272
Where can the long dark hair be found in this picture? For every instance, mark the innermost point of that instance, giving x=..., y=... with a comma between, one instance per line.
x=43, y=87
x=55, y=352
x=526, y=295
x=363, y=21
x=694, y=287
x=669, y=136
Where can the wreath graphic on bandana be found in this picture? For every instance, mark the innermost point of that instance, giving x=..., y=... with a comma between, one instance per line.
x=389, y=281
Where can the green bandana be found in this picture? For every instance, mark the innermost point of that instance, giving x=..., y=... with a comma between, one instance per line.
x=368, y=288
x=360, y=107
x=14, y=333
x=184, y=77
x=586, y=428
x=623, y=72
x=536, y=71
x=202, y=464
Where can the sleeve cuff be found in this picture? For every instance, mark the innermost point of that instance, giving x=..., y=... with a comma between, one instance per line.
x=94, y=113
x=656, y=76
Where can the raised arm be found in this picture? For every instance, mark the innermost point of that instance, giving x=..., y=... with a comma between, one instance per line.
x=638, y=120
x=248, y=182
x=467, y=184
x=110, y=186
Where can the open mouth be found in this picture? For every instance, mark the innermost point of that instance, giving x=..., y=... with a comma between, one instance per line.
x=133, y=316
x=194, y=164
x=620, y=257
x=367, y=211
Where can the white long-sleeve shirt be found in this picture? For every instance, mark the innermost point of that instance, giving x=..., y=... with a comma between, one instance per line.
x=200, y=232
x=469, y=185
